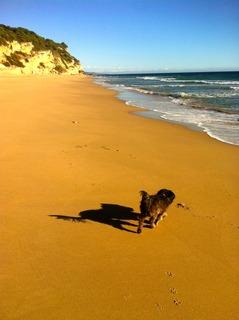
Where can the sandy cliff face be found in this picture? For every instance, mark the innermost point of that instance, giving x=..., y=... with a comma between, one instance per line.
x=21, y=58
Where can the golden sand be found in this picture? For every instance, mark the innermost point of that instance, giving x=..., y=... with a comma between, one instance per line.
x=69, y=146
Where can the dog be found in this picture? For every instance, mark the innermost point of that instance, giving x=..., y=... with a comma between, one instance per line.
x=154, y=207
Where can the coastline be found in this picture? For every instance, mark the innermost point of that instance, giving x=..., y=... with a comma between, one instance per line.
x=186, y=104
x=68, y=146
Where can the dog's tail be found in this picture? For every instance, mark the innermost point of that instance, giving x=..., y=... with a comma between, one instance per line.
x=144, y=195
x=144, y=203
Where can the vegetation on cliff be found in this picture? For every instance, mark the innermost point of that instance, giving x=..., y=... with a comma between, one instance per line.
x=22, y=35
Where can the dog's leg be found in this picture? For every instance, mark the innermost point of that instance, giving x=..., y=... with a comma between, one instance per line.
x=164, y=215
x=141, y=223
x=160, y=216
x=153, y=220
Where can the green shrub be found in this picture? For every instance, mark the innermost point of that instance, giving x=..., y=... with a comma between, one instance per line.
x=59, y=50
x=13, y=59
x=59, y=69
x=6, y=64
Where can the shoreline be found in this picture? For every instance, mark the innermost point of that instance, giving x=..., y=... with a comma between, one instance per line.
x=152, y=108
x=73, y=161
x=188, y=126
x=145, y=113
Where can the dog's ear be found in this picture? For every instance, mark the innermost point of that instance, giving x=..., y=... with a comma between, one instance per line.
x=170, y=196
x=166, y=194
x=163, y=193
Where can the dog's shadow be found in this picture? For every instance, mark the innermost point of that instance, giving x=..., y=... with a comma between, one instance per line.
x=114, y=215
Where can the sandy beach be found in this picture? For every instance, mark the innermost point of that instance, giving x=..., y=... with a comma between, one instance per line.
x=71, y=149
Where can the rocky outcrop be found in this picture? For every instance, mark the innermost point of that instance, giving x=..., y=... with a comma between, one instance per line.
x=34, y=54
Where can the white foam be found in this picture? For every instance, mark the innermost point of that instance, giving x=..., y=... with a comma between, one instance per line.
x=178, y=101
x=204, y=95
x=167, y=79
x=143, y=91
x=235, y=88
x=216, y=95
x=185, y=95
x=220, y=82
x=176, y=85
x=227, y=138
x=158, y=78
x=148, y=78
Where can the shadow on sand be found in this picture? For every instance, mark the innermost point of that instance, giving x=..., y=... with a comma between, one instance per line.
x=114, y=215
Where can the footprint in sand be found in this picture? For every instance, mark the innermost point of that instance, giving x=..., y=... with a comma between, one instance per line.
x=173, y=290
x=105, y=148
x=185, y=207
x=75, y=122
x=182, y=205
x=81, y=146
x=169, y=274
x=127, y=297
x=158, y=306
x=177, y=302
x=109, y=149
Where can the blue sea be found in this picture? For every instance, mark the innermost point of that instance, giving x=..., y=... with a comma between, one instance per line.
x=207, y=101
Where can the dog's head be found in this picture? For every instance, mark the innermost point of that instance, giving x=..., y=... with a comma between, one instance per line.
x=166, y=195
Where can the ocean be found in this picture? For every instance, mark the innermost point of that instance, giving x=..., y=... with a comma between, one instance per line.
x=206, y=101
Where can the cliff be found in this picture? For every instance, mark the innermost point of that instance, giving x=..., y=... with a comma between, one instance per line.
x=24, y=52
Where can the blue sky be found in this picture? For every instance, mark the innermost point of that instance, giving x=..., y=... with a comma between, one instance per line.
x=136, y=35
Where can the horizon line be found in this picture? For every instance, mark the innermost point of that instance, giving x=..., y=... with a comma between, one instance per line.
x=156, y=72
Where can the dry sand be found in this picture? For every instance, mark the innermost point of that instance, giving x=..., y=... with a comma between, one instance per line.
x=68, y=146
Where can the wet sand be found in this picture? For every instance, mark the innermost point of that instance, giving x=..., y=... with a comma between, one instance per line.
x=69, y=146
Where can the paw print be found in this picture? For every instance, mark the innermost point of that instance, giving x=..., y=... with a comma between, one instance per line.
x=177, y=302
x=169, y=274
x=173, y=290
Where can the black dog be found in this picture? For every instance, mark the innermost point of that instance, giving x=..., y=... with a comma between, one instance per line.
x=154, y=207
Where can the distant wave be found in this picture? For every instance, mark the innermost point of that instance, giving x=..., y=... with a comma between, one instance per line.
x=234, y=91
x=157, y=78
x=190, y=99
x=186, y=95
x=187, y=99
x=193, y=104
x=173, y=79
x=176, y=85
x=134, y=88
x=220, y=82
x=215, y=109
x=144, y=91
x=147, y=78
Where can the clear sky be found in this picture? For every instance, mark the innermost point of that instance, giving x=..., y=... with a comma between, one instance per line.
x=136, y=35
